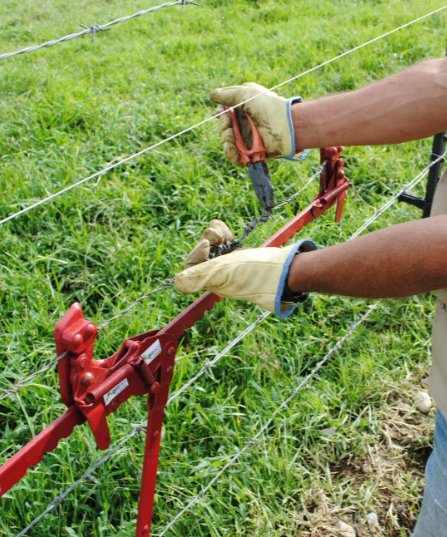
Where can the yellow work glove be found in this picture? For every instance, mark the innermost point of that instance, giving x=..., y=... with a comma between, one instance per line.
x=257, y=275
x=271, y=113
x=216, y=234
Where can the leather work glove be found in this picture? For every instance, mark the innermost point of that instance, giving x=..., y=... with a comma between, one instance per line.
x=216, y=234
x=271, y=113
x=258, y=275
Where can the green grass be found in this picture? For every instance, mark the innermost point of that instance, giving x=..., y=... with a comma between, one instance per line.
x=69, y=110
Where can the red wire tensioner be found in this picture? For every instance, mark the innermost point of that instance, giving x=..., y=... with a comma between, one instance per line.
x=144, y=364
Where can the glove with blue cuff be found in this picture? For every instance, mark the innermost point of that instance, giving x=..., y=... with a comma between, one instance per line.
x=271, y=113
x=257, y=275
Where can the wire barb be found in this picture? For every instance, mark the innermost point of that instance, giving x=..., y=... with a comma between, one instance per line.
x=96, y=28
x=269, y=422
x=211, y=364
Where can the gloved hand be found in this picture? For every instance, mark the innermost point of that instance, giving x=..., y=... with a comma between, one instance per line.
x=257, y=275
x=271, y=113
x=216, y=234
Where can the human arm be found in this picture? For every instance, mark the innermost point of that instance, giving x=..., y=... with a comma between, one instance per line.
x=401, y=260
x=407, y=106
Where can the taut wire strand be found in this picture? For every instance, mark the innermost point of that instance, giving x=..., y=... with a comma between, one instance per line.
x=393, y=200
x=166, y=284
x=15, y=387
x=207, y=120
x=267, y=424
x=94, y=29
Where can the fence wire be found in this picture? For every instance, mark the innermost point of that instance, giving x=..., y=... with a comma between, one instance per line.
x=269, y=422
x=17, y=386
x=137, y=430
x=94, y=29
x=207, y=120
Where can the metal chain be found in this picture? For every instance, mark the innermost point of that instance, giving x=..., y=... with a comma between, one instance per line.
x=267, y=424
x=163, y=285
x=137, y=430
x=15, y=387
x=320, y=364
x=235, y=244
x=255, y=222
x=207, y=120
x=94, y=29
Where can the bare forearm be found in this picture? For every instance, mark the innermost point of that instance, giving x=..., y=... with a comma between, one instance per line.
x=402, y=260
x=408, y=106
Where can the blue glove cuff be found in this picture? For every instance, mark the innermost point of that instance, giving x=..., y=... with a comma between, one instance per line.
x=303, y=155
x=301, y=246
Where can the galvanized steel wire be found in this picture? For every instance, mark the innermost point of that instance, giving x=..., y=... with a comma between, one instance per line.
x=207, y=120
x=94, y=29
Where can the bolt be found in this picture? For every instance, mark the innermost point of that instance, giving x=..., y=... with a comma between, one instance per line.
x=155, y=435
x=77, y=340
x=169, y=371
x=83, y=362
x=87, y=379
x=90, y=331
x=145, y=530
x=171, y=351
x=155, y=388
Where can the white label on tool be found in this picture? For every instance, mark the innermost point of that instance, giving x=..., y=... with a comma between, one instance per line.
x=152, y=352
x=109, y=397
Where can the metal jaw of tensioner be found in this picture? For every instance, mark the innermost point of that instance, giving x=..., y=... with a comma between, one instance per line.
x=143, y=364
x=93, y=389
x=333, y=182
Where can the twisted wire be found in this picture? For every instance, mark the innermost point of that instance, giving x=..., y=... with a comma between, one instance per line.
x=207, y=120
x=318, y=367
x=15, y=387
x=163, y=285
x=393, y=200
x=94, y=29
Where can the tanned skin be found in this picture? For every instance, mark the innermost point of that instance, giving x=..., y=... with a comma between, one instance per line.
x=402, y=260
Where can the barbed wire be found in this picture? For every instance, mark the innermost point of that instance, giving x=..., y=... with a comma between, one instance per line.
x=269, y=422
x=94, y=29
x=207, y=120
x=393, y=200
x=164, y=285
x=137, y=430
x=15, y=387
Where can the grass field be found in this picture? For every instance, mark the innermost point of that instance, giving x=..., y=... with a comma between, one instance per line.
x=69, y=110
